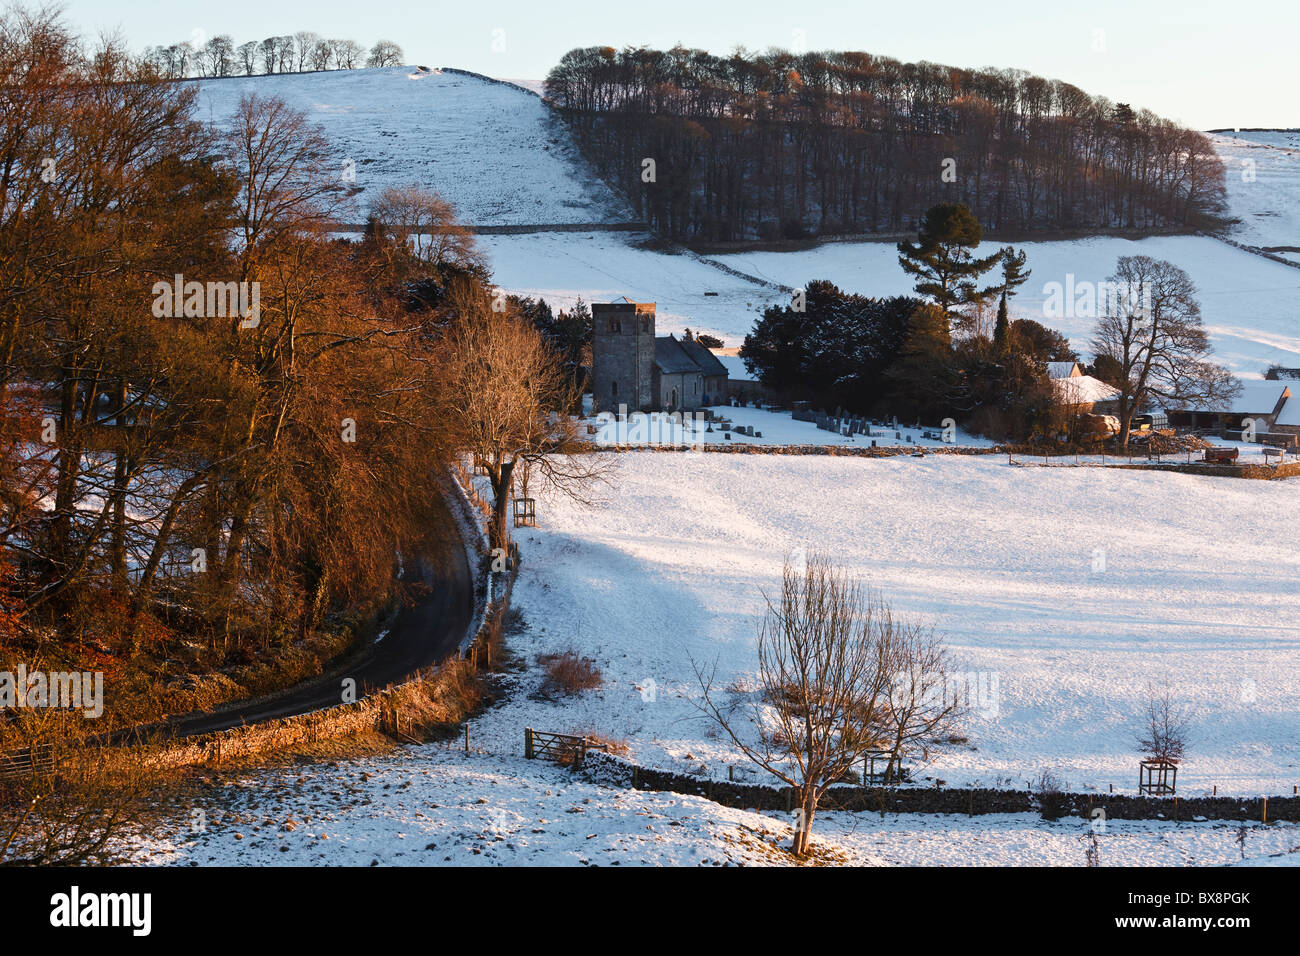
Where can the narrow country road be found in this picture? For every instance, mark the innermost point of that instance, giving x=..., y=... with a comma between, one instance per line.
x=423, y=634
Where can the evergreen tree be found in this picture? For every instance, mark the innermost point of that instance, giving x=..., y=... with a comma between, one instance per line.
x=1002, y=328
x=942, y=259
x=921, y=381
x=1014, y=273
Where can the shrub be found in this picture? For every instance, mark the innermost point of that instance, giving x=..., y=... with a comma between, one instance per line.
x=568, y=674
x=1052, y=803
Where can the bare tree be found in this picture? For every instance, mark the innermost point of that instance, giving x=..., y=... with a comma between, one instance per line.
x=218, y=55
x=284, y=54
x=1165, y=725
x=384, y=53
x=1151, y=327
x=247, y=56
x=347, y=54
x=321, y=54
x=305, y=42
x=505, y=397
x=420, y=231
x=269, y=50
x=829, y=655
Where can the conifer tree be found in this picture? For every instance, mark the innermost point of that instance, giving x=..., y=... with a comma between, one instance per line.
x=942, y=259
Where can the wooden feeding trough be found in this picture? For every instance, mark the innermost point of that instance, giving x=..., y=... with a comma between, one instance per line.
x=525, y=512
x=1158, y=777
x=889, y=773
x=1221, y=456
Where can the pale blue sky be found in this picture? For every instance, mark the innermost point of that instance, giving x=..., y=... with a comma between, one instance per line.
x=1206, y=64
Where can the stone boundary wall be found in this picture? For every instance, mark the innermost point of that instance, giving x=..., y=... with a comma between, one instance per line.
x=843, y=451
x=1259, y=472
x=492, y=79
x=611, y=770
x=1253, y=250
x=1026, y=459
x=344, y=720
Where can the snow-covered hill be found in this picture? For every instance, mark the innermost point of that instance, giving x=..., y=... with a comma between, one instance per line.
x=491, y=148
x=494, y=150
x=1251, y=305
x=1263, y=182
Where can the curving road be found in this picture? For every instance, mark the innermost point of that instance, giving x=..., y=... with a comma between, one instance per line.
x=422, y=634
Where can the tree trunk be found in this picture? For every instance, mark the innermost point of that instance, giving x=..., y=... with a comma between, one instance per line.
x=121, y=468
x=803, y=823
x=498, y=533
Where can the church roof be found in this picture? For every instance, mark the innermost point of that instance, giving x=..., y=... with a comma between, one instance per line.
x=671, y=358
x=708, y=362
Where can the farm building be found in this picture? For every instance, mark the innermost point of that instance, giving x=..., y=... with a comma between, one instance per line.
x=1063, y=370
x=632, y=366
x=1265, y=402
x=1083, y=394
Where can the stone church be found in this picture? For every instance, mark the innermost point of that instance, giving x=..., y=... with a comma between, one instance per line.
x=632, y=366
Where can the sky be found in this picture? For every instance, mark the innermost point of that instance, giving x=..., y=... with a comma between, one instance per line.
x=1204, y=64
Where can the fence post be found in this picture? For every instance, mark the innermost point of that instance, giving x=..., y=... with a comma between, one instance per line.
x=528, y=743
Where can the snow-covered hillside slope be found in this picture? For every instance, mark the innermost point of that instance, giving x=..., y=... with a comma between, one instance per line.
x=492, y=149
x=1263, y=182
x=1251, y=305
x=601, y=266
x=495, y=151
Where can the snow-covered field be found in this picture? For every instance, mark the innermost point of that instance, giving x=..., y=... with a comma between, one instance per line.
x=1075, y=589
x=493, y=150
x=1070, y=591
x=770, y=428
x=430, y=806
x=1263, y=181
x=601, y=266
x=1251, y=306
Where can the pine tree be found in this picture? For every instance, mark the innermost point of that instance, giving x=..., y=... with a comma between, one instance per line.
x=1014, y=273
x=942, y=259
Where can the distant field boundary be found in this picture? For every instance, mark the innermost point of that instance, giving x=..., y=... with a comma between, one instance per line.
x=492, y=79
x=841, y=451
x=1253, y=250
x=611, y=770
x=705, y=247
x=1020, y=459
x=525, y=229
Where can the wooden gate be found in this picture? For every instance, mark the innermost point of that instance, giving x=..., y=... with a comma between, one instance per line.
x=30, y=760
x=566, y=749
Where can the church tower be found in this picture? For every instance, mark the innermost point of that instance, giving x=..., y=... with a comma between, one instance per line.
x=622, y=355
